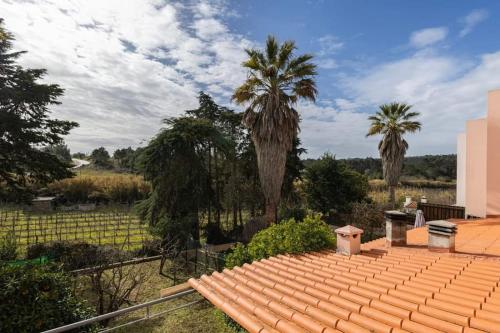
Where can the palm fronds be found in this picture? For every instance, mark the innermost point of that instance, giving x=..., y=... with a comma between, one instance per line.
x=276, y=81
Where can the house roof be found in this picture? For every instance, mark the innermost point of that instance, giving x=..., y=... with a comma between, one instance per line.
x=481, y=237
x=390, y=290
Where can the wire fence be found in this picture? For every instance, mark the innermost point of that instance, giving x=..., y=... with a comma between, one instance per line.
x=102, y=228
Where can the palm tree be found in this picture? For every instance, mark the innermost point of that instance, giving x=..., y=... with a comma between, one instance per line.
x=392, y=121
x=277, y=79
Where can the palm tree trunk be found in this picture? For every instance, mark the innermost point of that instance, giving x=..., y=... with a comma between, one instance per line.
x=271, y=213
x=392, y=195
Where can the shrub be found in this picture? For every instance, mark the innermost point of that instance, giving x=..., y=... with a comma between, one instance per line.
x=286, y=237
x=117, y=285
x=75, y=255
x=8, y=247
x=238, y=256
x=34, y=299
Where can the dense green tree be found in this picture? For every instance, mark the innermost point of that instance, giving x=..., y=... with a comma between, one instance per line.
x=25, y=126
x=100, y=158
x=175, y=164
x=276, y=81
x=211, y=112
x=393, y=121
x=331, y=187
x=125, y=158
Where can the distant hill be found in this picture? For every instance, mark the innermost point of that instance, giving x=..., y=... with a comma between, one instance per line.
x=432, y=167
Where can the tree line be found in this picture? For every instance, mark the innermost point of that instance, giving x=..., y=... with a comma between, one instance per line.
x=429, y=167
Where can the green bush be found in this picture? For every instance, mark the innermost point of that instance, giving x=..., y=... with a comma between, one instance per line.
x=286, y=237
x=35, y=299
x=76, y=255
x=8, y=247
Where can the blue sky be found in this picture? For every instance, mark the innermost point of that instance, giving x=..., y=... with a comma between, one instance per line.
x=125, y=68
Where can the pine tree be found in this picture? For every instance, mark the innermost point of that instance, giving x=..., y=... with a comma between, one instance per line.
x=25, y=126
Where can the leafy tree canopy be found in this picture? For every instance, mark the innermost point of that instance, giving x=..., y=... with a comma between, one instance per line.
x=126, y=158
x=100, y=157
x=331, y=185
x=25, y=125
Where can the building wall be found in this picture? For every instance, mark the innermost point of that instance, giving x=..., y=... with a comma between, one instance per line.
x=493, y=154
x=476, y=148
x=461, y=168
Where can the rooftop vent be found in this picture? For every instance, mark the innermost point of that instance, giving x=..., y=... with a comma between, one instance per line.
x=441, y=236
x=348, y=240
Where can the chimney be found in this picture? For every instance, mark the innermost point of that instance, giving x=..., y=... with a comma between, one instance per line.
x=348, y=240
x=395, y=228
x=441, y=236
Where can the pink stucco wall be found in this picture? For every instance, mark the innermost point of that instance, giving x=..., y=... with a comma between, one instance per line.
x=493, y=154
x=461, y=168
x=476, y=147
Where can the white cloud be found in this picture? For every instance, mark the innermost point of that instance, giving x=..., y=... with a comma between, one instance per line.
x=328, y=46
x=327, y=63
x=340, y=132
x=446, y=91
x=427, y=37
x=126, y=67
x=472, y=19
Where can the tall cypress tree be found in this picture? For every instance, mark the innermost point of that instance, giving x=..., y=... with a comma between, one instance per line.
x=25, y=126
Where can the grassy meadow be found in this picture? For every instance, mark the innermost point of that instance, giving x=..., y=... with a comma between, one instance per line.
x=90, y=185
x=435, y=191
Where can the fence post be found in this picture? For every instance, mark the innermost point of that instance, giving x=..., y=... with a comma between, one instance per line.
x=28, y=231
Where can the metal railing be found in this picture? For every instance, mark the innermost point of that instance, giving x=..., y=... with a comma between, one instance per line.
x=441, y=212
x=133, y=308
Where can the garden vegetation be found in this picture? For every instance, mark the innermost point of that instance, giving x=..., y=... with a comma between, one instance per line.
x=290, y=236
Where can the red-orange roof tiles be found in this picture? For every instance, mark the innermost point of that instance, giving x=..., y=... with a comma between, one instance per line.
x=381, y=290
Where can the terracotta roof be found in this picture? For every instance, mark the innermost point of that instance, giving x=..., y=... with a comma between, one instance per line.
x=481, y=237
x=348, y=230
x=381, y=290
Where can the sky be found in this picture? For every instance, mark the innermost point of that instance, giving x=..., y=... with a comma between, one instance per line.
x=127, y=64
